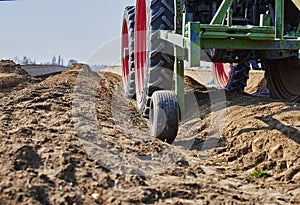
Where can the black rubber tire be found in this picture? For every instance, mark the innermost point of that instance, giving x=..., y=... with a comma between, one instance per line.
x=164, y=116
x=129, y=87
x=268, y=79
x=238, y=77
x=283, y=77
x=159, y=68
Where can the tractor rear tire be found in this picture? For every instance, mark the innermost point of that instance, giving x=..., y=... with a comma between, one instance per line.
x=164, y=116
x=154, y=58
x=283, y=77
x=234, y=79
x=127, y=52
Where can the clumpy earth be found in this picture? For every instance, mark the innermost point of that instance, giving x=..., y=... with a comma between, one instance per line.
x=11, y=75
x=73, y=138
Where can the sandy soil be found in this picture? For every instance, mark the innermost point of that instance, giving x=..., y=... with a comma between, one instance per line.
x=11, y=75
x=73, y=139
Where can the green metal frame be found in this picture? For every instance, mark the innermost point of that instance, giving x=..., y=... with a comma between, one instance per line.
x=193, y=36
x=179, y=53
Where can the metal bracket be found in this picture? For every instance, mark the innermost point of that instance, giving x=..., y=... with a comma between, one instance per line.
x=222, y=11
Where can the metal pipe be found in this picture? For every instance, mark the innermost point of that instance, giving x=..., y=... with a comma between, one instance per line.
x=222, y=11
x=279, y=19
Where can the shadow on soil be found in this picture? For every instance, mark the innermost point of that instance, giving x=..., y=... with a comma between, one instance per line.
x=206, y=107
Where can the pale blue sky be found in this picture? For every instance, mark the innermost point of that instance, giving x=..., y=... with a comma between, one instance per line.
x=87, y=30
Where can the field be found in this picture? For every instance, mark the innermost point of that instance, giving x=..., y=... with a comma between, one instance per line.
x=72, y=138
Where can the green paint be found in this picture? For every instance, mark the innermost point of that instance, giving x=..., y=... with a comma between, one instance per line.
x=237, y=29
x=178, y=16
x=193, y=37
x=279, y=6
x=195, y=44
x=179, y=52
x=222, y=11
x=250, y=36
x=179, y=78
x=265, y=20
x=297, y=3
x=222, y=43
x=240, y=44
x=229, y=17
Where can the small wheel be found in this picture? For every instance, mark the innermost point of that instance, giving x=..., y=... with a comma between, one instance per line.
x=154, y=58
x=127, y=52
x=283, y=77
x=231, y=77
x=164, y=116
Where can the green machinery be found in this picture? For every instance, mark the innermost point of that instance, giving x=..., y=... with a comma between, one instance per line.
x=158, y=36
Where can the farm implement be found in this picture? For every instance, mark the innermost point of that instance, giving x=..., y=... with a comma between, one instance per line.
x=160, y=36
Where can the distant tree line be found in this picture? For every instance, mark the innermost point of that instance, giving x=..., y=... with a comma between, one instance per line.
x=56, y=60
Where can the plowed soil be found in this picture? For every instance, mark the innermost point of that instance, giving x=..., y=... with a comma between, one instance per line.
x=11, y=75
x=73, y=138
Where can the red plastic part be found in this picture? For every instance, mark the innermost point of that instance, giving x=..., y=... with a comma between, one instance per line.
x=222, y=74
x=140, y=39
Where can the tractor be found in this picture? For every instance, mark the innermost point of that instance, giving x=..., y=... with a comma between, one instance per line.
x=160, y=36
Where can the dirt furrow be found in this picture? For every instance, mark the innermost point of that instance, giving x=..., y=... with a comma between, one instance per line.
x=73, y=138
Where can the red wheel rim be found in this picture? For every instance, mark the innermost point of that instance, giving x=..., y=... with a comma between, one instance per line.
x=140, y=46
x=222, y=74
x=124, y=52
